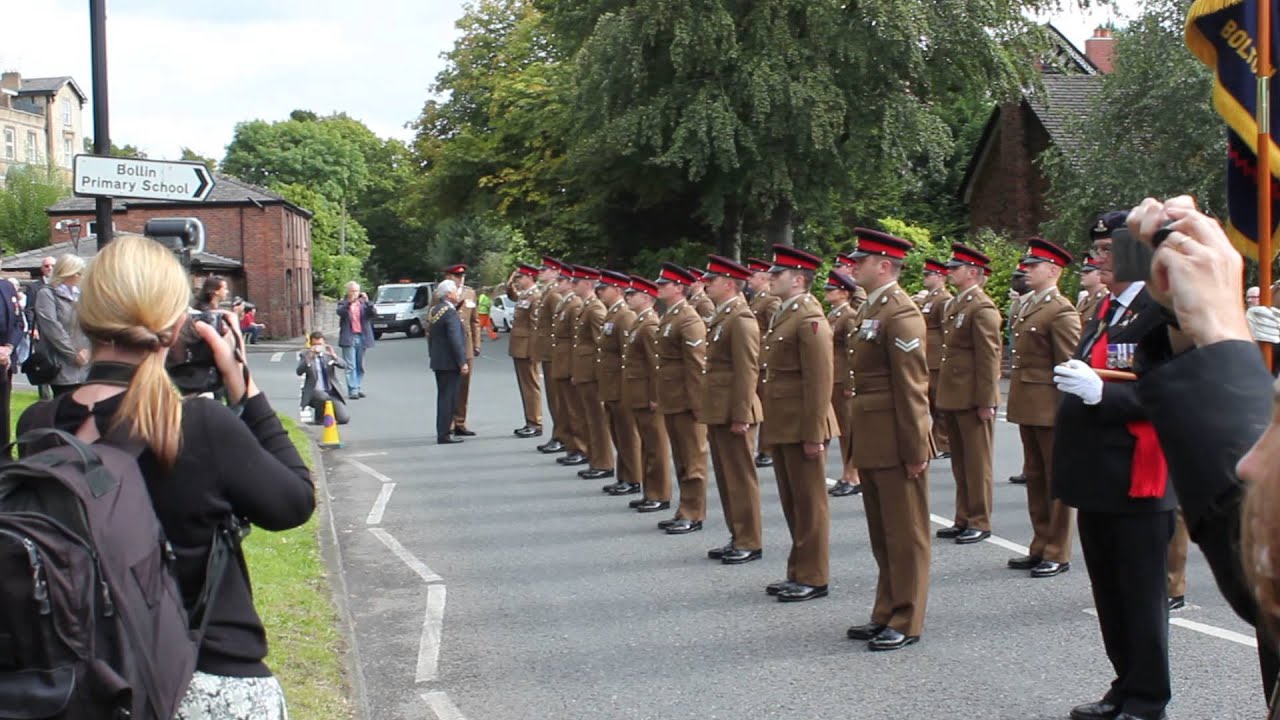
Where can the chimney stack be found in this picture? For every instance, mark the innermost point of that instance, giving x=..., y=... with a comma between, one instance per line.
x=1100, y=48
x=11, y=80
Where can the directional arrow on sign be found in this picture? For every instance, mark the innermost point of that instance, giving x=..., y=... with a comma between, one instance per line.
x=100, y=176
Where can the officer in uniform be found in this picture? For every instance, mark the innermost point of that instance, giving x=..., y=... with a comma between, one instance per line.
x=698, y=295
x=522, y=287
x=588, y=336
x=1017, y=291
x=763, y=305
x=840, y=289
x=969, y=392
x=679, y=361
x=1090, y=282
x=471, y=337
x=618, y=320
x=544, y=320
x=564, y=320
x=935, y=281
x=797, y=401
x=1045, y=335
x=640, y=395
x=889, y=377
x=731, y=408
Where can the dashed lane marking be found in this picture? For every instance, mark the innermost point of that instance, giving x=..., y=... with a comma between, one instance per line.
x=442, y=706
x=380, y=505
x=275, y=357
x=405, y=556
x=432, y=629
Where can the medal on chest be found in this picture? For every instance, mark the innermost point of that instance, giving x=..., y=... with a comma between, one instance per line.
x=608, y=328
x=959, y=319
x=869, y=330
x=666, y=332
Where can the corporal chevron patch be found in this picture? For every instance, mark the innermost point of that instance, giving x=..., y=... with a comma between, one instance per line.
x=907, y=345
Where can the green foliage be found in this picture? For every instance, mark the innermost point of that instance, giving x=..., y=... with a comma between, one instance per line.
x=1005, y=255
x=331, y=269
x=128, y=151
x=323, y=156
x=192, y=156
x=912, y=276
x=28, y=191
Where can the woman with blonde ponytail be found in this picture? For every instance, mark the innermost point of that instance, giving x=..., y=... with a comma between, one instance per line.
x=202, y=461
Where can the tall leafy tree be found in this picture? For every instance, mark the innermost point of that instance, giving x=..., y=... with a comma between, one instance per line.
x=319, y=155
x=28, y=191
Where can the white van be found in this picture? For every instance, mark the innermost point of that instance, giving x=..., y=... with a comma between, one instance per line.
x=402, y=307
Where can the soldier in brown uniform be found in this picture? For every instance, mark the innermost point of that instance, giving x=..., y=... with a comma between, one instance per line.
x=544, y=321
x=731, y=408
x=969, y=392
x=522, y=287
x=564, y=320
x=640, y=395
x=890, y=382
x=698, y=299
x=845, y=297
x=1090, y=282
x=1017, y=291
x=679, y=361
x=471, y=338
x=798, y=371
x=935, y=282
x=588, y=335
x=763, y=305
x=1045, y=334
x=618, y=319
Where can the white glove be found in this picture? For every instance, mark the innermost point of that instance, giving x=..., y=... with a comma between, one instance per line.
x=1076, y=378
x=1264, y=324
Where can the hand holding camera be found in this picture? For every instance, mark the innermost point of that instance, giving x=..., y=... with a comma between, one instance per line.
x=222, y=337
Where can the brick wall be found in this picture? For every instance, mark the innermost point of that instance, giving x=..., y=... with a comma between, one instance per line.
x=1009, y=189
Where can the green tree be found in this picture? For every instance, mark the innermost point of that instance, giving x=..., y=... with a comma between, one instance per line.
x=127, y=151
x=28, y=191
x=318, y=155
x=192, y=156
x=331, y=267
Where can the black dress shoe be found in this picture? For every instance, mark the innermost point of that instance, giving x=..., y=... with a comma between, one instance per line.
x=716, y=553
x=1049, y=568
x=1018, y=479
x=738, y=557
x=551, y=448
x=574, y=459
x=844, y=489
x=971, y=536
x=448, y=440
x=463, y=432
x=636, y=503
x=625, y=489
x=799, y=593
x=763, y=460
x=950, y=533
x=1102, y=710
x=648, y=506
x=594, y=474
x=1127, y=716
x=612, y=486
x=944, y=455
x=664, y=524
x=529, y=431
x=683, y=527
x=864, y=632
x=1026, y=562
x=890, y=639
x=778, y=587
x=1177, y=603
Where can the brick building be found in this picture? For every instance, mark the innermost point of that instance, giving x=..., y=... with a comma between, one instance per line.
x=1003, y=185
x=255, y=238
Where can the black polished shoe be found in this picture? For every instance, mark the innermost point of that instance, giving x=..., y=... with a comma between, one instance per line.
x=943, y=455
x=864, y=632
x=552, y=447
x=683, y=527
x=1102, y=710
x=1177, y=603
x=529, y=431
x=664, y=524
x=716, y=553
x=1049, y=568
x=448, y=440
x=648, y=506
x=636, y=503
x=1026, y=562
x=1018, y=479
x=1127, y=716
x=971, y=536
x=844, y=489
x=799, y=593
x=778, y=587
x=463, y=432
x=594, y=474
x=612, y=486
x=625, y=489
x=890, y=639
x=950, y=533
x=573, y=459
x=738, y=557
x=763, y=460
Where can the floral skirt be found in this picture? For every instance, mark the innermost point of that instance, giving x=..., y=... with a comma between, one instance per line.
x=215, y=697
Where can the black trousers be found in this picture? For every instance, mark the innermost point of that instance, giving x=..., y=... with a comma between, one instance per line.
x=1127, y=560
x=448, y=383
x=6, y=387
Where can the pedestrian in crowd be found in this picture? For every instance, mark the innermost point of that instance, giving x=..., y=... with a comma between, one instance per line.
x=588, y=335
x=889, y=383
x=934, y=302
x=12, y=340
x=56, y=310
x=969, y=391
x=1108, y=464
x=698, y=299
x=449, y=359
x=763, y=305
x=200, y=460
x=731, y=410
x=522, y=289
x=248, y=318
x=1045, y=335
x=797, y=400
x=1252, y=296
x=618, y=319
x=484, y=310
x=317, y=366
x=565, y=320
x=544, y=317
x=46, y=274
x=467, y=305
x=845, y=297
x=1091, y=285
x=640, y=394
x=679, y=361
x=355, y=335
x=213, y=293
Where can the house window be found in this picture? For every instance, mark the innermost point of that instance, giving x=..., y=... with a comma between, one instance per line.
x=33, y=151
x=10, y=144
x=66, y=113
x=68, y=151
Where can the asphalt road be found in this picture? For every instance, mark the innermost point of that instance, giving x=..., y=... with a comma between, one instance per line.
x=487, y=582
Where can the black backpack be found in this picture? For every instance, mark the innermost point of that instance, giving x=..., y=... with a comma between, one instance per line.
x=92, y=623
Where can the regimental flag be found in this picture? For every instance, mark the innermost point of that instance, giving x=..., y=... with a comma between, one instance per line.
x=1223, y=35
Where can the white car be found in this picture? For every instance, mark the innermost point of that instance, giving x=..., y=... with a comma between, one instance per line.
x=502, y=312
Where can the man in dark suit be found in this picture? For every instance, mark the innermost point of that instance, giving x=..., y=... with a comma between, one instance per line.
x=10, y=338
x=447, y=347
x=1107, y=463
x=316, y=366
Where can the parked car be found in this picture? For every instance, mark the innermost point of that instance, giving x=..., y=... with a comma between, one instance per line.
x=502, y=312
x=402, y=307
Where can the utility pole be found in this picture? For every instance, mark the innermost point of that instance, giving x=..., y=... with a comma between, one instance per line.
x=101, y=126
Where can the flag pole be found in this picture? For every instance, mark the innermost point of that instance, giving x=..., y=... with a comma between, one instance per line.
x=1263, y=120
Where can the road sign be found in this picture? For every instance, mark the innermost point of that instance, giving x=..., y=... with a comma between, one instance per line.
x=99, y=176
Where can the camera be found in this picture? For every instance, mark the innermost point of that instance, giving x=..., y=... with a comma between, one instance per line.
x=1130, y=257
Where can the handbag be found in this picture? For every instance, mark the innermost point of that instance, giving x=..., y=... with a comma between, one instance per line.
x=43, y=365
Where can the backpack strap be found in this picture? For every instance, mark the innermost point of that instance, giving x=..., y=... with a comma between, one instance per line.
x=226, y=546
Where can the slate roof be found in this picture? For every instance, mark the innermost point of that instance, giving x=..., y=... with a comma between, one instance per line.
x=29, y=260
x=49, y=86
x=227, y=190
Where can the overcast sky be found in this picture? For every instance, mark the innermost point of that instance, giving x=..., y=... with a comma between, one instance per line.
x=184, y=73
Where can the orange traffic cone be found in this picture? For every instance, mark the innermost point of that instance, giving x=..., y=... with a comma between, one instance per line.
x=329, y=436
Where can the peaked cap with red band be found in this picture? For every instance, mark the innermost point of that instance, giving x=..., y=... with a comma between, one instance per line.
x=697, y=273
x=1089, y=265
x=964, y=255
x=845, y=259
x=786, y=257
x=673, y=273
x=840, y=281
x=758, y=265
x=615, y=279
x=1021, y=270
x=582, y=272
x=459, y=269
x=936, y=267
x=550, y=263
x=644, y=285
x=1040, y=250
x=876, y=243
x=529, y=270
x=719, y=265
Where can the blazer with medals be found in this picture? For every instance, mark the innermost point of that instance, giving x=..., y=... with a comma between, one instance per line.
x=733, y=357
x=799, y=375
x=681, y=356
x=934, y=304
x=588, y=332
x=1045, y=334
x=1093, y=448
x=563, y=321
x=970, y=370
x=523, y=333
x=639, y=372
x=544, y=316
x=889, y=373
x=613, y=339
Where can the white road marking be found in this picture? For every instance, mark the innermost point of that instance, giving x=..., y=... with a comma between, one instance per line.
x=432, y=628
x=442, y=706
x=1210, y=630
x=366, y=454
x=368, y=470
x=994, y=540
x=275, y=357
x=380, y=505
x=405, y=556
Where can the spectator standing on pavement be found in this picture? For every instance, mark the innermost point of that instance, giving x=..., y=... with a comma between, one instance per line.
x=446, y=345
x=213, y=293
x=58, y=326
x=484, y=309
x=29, y=312
x=316, y=365
x=355, y=335
x=11, y=339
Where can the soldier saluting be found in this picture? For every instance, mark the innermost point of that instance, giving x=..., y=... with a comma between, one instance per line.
x=522, y=287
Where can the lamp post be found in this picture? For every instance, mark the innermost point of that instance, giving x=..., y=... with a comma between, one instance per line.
x=101, y=127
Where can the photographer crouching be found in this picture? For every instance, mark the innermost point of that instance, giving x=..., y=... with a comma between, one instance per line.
x=201, y=460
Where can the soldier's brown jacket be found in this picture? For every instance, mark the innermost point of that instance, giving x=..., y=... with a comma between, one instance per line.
x=470, y=321
x=705, y=307
x=613, y=339
x=639, y=355
x=843, y=319
x=523, y=333
x=763, y=306
x=588, y=331
x=932, y=309
x=1045, y=334
x=1088, y=307
x=565, y=319
x=799, y=375
x=681, y=355
x=970, y=372
x=544, y=316
x=733, y=357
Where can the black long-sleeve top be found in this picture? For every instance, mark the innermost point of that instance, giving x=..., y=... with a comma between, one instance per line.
x=245, y=466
